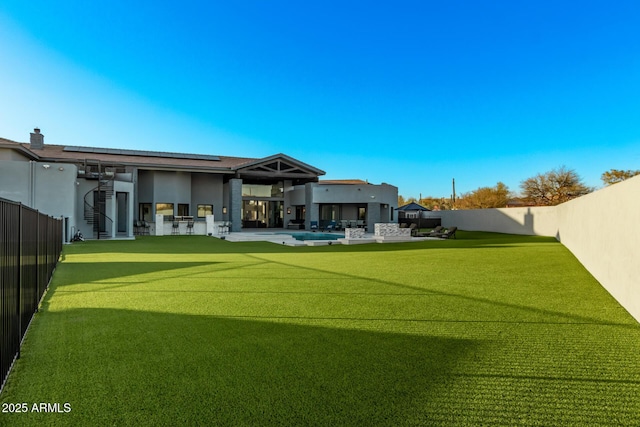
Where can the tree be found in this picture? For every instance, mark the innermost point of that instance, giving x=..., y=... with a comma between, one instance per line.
x=402, y=201
x=484, y=198
x=614, y=175
x=429, y=202
x=554, y=187
x=436, y=203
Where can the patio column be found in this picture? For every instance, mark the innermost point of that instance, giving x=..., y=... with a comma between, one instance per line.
x=312, y=209
x=235, y=204
x=373, y=215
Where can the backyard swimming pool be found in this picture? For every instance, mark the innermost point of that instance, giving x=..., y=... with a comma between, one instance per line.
x=315, y=236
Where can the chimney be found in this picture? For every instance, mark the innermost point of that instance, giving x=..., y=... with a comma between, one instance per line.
x=37, y=140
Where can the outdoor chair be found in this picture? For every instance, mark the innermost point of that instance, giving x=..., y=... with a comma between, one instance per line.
x=176, y=228
x=413, y=227
x=433, y=233
x=314, y=225
x=190, y=227
x=224, y=227
x=449, y=233
x=331, y=226
x=145, y=227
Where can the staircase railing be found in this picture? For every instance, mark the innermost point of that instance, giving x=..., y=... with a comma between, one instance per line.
x=95, y=202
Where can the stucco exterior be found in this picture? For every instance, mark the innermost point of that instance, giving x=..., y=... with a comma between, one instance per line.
x=47, y=187
x=106, y=193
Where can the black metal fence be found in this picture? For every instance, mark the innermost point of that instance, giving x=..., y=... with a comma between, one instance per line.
x=30, y=246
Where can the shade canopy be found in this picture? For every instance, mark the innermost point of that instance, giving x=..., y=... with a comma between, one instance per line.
x=412, y=207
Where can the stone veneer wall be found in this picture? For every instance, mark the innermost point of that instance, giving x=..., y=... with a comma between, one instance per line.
x=354, y=233
x=391, y=230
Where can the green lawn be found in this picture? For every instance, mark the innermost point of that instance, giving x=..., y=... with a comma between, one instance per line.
x=487, y=329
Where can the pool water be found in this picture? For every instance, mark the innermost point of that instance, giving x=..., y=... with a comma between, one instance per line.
x=315, y=236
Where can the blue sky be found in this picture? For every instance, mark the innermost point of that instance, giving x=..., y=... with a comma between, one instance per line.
x=413, y=94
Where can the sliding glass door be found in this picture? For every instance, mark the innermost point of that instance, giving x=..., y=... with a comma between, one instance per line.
x=262, y=214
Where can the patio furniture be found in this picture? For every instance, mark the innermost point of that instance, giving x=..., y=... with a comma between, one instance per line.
x=190, y=226
x=331, y=226
x=314, y=225
x=224, y=227
x=433, y=233
x=145, y=228
x=296, y=224
x=450, y=232
x=175, y=230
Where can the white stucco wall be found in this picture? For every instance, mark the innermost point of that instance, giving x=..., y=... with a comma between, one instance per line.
x=601, y=229
x=540, y=221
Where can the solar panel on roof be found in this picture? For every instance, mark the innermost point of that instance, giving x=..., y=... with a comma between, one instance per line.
x=125, y=152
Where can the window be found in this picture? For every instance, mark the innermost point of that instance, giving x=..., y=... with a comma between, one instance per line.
x=329, y=212
x=204, y=210
x=144, y=213
x=183, y=209
x=362, y=213
x=165, y=209
x=260, y=190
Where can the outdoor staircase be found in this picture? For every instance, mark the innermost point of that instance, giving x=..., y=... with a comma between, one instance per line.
x=95, y=202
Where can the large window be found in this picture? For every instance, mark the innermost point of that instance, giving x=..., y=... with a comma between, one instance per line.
x=261, y=190
x=183, y=209
x=330, y=212
x=204, y=210
x=165, y=209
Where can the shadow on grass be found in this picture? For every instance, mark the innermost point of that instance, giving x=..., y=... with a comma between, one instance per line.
x=542, y=315
x=100, y=273
x=118, y=367
x=121, y=277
